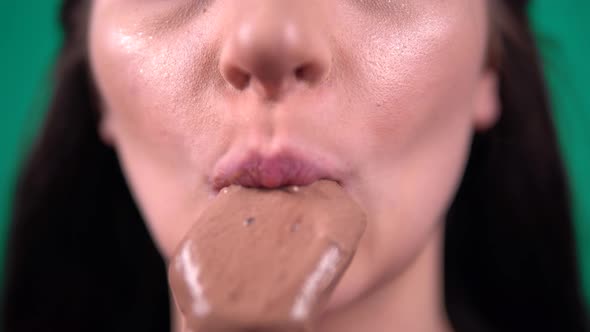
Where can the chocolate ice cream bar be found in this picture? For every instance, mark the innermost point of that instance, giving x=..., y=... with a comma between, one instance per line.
x=265, y=260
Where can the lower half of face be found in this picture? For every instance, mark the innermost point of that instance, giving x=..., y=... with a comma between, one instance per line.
x=397, y=90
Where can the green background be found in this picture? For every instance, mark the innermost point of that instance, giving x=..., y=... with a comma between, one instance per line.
x=30, y=41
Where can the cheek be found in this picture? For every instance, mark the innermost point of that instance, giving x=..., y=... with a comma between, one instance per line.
x=414, y=132
x=150, y=87
x=419, y=84
x=158, y=113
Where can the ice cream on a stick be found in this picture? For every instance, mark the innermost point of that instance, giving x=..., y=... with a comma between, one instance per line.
x=265, y=260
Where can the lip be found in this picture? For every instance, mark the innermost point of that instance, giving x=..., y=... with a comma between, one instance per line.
x=285, y=167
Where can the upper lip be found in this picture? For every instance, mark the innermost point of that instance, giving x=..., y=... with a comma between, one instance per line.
x=288, y=166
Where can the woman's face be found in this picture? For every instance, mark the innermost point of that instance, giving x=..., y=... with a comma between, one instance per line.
x=380, y=95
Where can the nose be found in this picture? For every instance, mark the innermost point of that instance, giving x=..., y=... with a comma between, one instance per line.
x=274, y=45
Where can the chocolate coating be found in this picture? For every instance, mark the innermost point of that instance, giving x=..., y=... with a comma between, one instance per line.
x=265, y=260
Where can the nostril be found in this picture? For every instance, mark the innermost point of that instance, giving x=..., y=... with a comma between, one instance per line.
x=300, y=73
x=238, y=78
x=308, y=73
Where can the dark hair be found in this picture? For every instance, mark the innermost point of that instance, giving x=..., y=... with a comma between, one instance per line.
x=81, y=259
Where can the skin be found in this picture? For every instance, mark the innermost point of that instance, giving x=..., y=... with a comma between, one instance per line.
x=390, y=91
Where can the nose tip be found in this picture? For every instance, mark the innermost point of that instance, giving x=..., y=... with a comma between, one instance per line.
x=272, y=50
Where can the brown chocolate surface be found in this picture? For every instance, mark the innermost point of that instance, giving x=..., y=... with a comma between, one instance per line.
x=265, y=260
